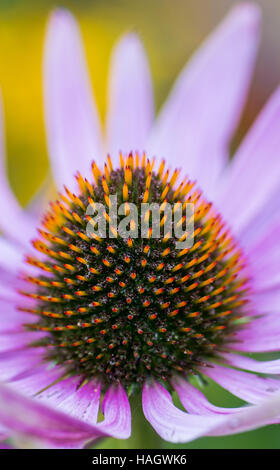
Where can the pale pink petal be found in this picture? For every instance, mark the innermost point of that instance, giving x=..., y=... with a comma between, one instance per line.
x=169, y=422
x=12, y=319
x=195, y=402
x=34, y=418
x=74, y=399
x=83, y=403
x=196, y=124
x=11, y=256
x=32, y=381
x=251, y=417
x=57, y=393
x=265, y=301
x=262, y=367
x=8, y=293
x=263, y=256
x=14, y=363
x=130, y=98
x=248, y=387
x=73, y=128
x=29, y=417
x=14, y=222
x=235, y=419
x=260, y=335
x=117, y=414
x=17, y=341
x=254, y=174
x=262, y=223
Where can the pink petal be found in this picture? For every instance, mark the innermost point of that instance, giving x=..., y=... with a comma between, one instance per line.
x=261, y=335
x=73, y=128
x=130, y=97
x=251, y=417
x=73, y=399
x=40, y=420
x=254, y=173
x=176, y=426
x=16, y=362
x=248, y=387
x=8, y=293
x=262, y=223
x=264, y=259
x=30, y=417
x=263, y=367
x=17, y=341
x=32, y=381
x=265, y=301
x=14, y=222
x=117, y=414
x=170, y=423
x=11, y=256
x=83, y=403
x=195, y=402
x=196, y=124
x=12, y=320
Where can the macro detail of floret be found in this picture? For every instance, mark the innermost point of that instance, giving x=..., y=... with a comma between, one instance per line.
x=124, y=309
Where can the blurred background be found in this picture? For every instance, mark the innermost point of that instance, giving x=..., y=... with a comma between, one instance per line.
x=171, y=30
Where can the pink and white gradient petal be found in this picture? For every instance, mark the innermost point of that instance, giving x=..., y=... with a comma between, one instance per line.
x=32, y=381
x=12, y=320
x=130, y=98
x=248, y=387
x=52, y=422
x=170, y=422
x=82, y=403
x=117, y=414
x=174, y=425
x=264, y=259
x=243, y=362
x=7, y=293
x=17, y=341
x=14, y=222
x=30, y=417
x=254, y=173
x=73, y=398
x=11, y=256
x=250, y=417
x=260, y=335
x=263, y=302
x=195, y=402
x=262, y=222
x=72, y=121
x=17, y=362
x=196, y=123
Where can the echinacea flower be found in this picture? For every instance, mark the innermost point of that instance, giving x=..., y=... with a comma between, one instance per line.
x=99, y=318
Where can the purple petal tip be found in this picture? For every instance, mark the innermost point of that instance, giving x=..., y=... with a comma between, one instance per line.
x=129, y=42
x=248, y=13
x=61, y=17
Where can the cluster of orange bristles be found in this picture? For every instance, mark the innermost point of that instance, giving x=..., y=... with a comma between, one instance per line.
x=124, y=308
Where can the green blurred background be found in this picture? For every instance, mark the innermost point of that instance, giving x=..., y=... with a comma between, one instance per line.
x=171, y=30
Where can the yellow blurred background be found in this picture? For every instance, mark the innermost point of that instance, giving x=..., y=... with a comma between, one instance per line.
x=171, y=30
